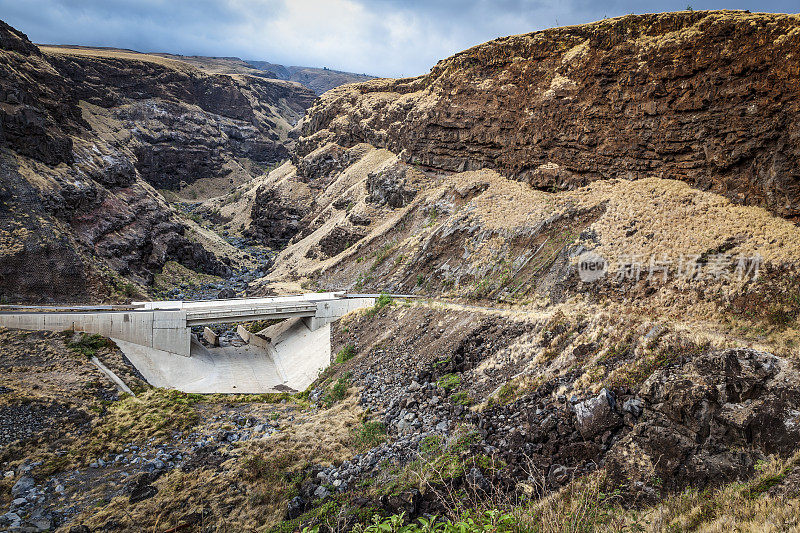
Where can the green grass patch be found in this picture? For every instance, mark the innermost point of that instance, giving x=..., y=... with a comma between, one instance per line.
x=345, y=354
x=449, y=382
x=368, y=435
x=156, y=413
x=88, y=345
x=490, y=521
x=338, y=391
x=382, y=301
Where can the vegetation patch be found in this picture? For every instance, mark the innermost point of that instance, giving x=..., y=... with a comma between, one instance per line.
x=381, y=255
x=462, y=398
x=88, y=345
x=368, y=435
x=258, y=325
x=338, y=391
x=449, y=382
x=156, y=414
x=174, y=274
x=492, y=520
x=672, y=350
x=772, y=302
x=382, y=301
x=345, y=354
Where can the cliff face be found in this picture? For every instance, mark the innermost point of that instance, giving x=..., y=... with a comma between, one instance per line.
x=708, y=98
x=186, y=124
x=85, y=138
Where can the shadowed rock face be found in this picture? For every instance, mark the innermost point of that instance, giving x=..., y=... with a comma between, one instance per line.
x=704, y=97
x=187, y=125
x=38, y=111
x=36, y=256
x=75, y=210
x=276, y=219
x=710, y=421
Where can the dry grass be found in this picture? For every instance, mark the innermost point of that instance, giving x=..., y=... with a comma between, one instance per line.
x=323, y=436
x=249, y=490
x=173, y=274
x=113, y=53
x=586, y=504
x=646, y=217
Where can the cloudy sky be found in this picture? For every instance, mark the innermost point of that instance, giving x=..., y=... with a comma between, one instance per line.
x=380, y=37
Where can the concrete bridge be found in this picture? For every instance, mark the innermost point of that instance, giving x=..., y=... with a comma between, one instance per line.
x=157, y=338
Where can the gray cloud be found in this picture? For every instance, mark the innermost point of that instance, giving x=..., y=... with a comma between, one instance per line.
x=381, y=37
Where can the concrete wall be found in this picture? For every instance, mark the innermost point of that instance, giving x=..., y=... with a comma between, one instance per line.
x=165, y=330
x=330, y=311
x=298, y=352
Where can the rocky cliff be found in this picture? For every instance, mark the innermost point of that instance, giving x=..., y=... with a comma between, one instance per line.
x=87, y=137
x=380, y=195
x=186, y=124
x=708, y=98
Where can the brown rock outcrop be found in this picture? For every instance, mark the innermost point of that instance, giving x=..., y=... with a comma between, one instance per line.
x=710, y=421
x=37, y=110
x=704, y=97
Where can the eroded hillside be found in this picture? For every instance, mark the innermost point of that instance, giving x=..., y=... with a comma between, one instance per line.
x=90, y=137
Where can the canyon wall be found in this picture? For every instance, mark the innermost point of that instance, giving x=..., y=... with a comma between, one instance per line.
x=709, y=98
x=86, y=139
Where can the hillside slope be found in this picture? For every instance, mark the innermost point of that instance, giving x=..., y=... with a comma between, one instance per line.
x=702, y=97
x=319, y=80
x=88, y=137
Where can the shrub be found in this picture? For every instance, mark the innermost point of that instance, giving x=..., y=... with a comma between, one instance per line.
x=369, y=435
x=88, y=345
x=258, y=325
x=382, y=301
x=431, y=444
x=381, y=255
x=338, y=392
x=449, y=382
x=462, y=398
x=345, y=354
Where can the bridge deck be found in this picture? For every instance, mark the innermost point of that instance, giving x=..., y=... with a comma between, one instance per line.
x=247, y=312
x=157, y=338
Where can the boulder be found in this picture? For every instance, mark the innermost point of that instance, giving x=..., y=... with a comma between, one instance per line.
x=226, y=294
x=596, y=415
x=22, y=486
x=295, y=508
x=387, y=186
